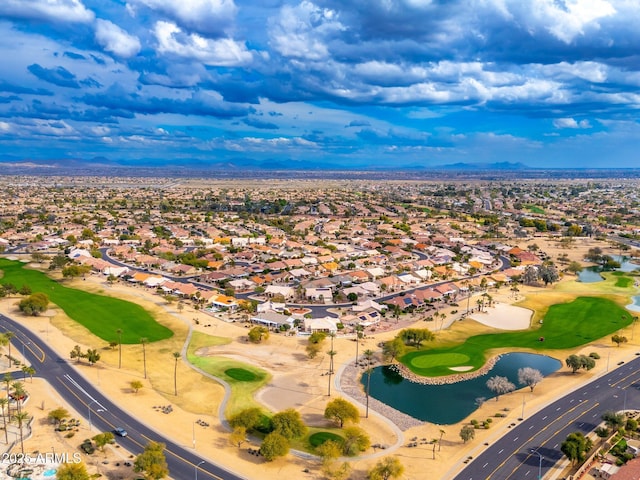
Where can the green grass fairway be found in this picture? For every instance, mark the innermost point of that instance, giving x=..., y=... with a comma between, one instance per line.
x=241, y=374
x=566, y=325
x=227, y=369
x=100, y=314
x=429, y=361
x=319, y=438
x=624, y=282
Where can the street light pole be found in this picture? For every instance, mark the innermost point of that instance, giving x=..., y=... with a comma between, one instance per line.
x=196, y=469
x=540, y=464
x=193, y=434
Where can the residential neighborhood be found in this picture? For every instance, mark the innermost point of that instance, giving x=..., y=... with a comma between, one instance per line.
x=360, y=262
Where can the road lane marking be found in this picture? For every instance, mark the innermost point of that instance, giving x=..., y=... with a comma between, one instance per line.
x=519, y=449
x=27, y=341
x=77, y=385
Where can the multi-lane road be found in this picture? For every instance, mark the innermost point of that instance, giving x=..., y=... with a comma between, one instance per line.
x=102, y=414
x=532, y=447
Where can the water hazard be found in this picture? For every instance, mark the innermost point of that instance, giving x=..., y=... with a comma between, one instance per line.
x=449, y=404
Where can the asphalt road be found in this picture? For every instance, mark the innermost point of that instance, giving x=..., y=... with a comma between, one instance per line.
x=104, y=415
x=514, y=457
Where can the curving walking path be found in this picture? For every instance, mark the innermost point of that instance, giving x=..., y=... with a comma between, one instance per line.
x=347, y=383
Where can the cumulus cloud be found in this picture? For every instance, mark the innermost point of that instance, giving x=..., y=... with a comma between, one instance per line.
x=302, y=31
x=115, y=40
x=571, y=123
x=380, y=76
x=568, y=19
x=209, y=17
x=47, y=10
x=221, y=52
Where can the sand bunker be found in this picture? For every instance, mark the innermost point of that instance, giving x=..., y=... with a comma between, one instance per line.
x=462, y=368
x=504, y=317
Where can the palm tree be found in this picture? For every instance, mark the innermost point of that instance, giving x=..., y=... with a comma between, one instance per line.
x=331, y=355
x=30, y=371
x=144, y=341
x=9, y=336
x=442, y=317
x=19, y=393
x=4, y=402
x=442, y=432
x=119, y=332
x=467, y=284
x=176, y=356
x=3, y=343
x=19, y=418
x=7, y=379
x=489, y=298
x=515, y=290
x=332, y=335
x=368, y=355
x=358, y=333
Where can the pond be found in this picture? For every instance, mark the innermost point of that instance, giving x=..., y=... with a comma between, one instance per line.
x=449, y=404
x=635, y=306
x=625, y=264
x=591, y=274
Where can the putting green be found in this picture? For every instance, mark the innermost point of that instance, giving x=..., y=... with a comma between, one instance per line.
x=624, y=282
x=439, y=359
x=566, y=325
x=241, y=374
x=101, y=315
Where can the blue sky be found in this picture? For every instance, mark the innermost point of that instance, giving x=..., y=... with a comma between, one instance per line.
x=359, y=83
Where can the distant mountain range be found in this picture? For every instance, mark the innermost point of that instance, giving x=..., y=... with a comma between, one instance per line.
x=276, y=168
x=242, y=163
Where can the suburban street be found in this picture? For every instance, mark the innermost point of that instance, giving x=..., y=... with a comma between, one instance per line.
x=533, y=446
x=100, y=413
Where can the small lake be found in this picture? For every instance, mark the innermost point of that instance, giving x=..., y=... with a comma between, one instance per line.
x=635, y=306
x=592, y=274
x=449, y=404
